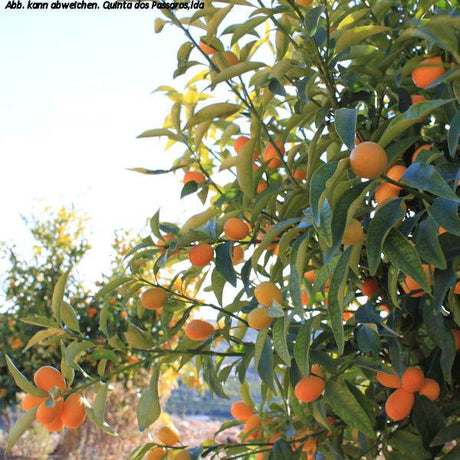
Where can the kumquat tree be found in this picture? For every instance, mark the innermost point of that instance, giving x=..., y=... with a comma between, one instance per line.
x=321, y=140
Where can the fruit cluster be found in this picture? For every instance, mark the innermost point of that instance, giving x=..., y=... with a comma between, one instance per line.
x=54, y=413
x=400, y=403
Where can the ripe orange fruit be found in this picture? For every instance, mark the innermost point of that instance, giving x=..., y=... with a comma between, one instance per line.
x=199, y=330
x=305, y=298
x=428, y=71
x=412, y=380
x=310, y=276
x=241, y=411
x=419, y=149
x=316, y=370
x=430, y=389
x=55, y=425
x=310, y=445
x=182, y=455
x=395, y=173
x=48, y=377
x=309, y=389
x=194, y=176
x=258, y=318
x=416, y=98
x=261, y=186
x=154, y=298
x=224, y=59
x=457, y=286
x=370, y=287
x=30, y=401
x=237, y=255
x=206, y=48
x=456, y=334
x=304, y=2
x=399, y=404
x=353, y=233
x=299, y=174
x=267, y=292
x=388, y=380
x=92, y=312
x=236, y=229
x=156, y=453
x=251, y=424
x=368, y=160
x=168, y=435
x=239, y=143
x=271, y=154
x=347, y=315
x=73, y=412
x=409, y=284
x=47, y=414
x=201, y=254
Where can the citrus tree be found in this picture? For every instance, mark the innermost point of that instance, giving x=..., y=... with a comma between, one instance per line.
x=321, y=139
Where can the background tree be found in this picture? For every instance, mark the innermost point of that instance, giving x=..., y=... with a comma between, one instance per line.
x=330, y=168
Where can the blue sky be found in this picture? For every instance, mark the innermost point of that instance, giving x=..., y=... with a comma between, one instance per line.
x=75, y=90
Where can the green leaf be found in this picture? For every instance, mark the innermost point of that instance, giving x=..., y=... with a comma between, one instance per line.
x=40, y=321
x=408, y=444
x=318, y=185
x=247, y=27
x=384, y=220
x=445, y=214
x=345, y=125
x=148, y=407
x=302, y=348
x=69, y=317
x=136, y=337
x=454, y=133
x=447, y=434
x=427, y=244
x=427, y=418
x=22, y=424
x=259, y=345
x=266, y=364
x=405, y=257
x=21, y=381
x=161, y=132
x=425, y=177
x=452, y=74
x=233, y=71
x=212, y=111
x=104, y=426
x=40, y=336
x=336, y=298
x=439, y=332
x=244, y=171
x=282, y=451
x=100, y=403
x=311, y=20
x=357, y=35
x=112, y=285
x=74, y=350
x=224, y=264
x=58, y=295
x=189, y=188
x=214, y=382
x=345, y=405
x=280, y=329
x=410, y=117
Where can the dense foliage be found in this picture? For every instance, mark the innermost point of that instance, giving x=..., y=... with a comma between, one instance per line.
x=324, y=150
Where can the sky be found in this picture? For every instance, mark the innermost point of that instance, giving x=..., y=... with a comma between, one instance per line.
x=76, y=90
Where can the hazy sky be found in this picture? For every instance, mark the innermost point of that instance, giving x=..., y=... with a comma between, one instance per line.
x=75, y=91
